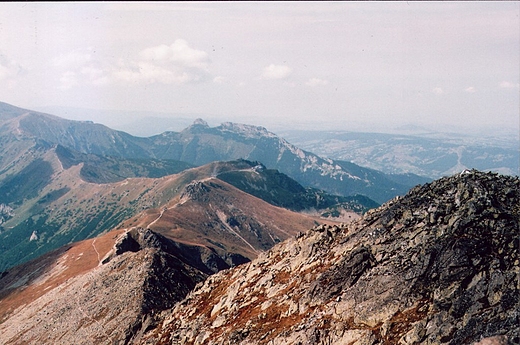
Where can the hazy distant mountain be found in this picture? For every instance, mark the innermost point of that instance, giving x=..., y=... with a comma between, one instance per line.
x=200, y=144
x=424, y=153
x=137, y=123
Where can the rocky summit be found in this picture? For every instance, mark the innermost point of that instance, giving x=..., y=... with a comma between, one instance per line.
x=437, y=266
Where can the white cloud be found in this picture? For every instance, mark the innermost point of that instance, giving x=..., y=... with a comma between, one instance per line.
x=68, y=80
x=9, y=68
x=72, y=60
x=438, y=91
x=509, y=85
x=144, y=72
x=78, y=67
x=470, y=89
x=316, y=82
x=179, y=53
x=276, y=72
x=96, y=76
x=177, y=63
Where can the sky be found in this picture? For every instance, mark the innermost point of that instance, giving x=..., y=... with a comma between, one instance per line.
x=299, y=65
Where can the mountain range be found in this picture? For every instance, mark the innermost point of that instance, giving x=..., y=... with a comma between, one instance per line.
x=439, y=265
x=200, y=144
x=63, y=181
x=59, y=206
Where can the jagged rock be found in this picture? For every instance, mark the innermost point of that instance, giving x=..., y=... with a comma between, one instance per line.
x=117, y=302
x=194, y=190
x=438, y=266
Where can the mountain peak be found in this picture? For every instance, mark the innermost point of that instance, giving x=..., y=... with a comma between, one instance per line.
x=246, y=130
x=200, y=122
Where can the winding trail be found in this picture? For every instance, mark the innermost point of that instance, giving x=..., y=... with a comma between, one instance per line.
x=95, y=249
x=157, y=219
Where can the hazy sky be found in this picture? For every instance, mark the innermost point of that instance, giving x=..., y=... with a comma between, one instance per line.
x=313, y=64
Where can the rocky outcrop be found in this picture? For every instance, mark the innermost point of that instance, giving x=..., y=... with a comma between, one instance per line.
x=202, y=258
x=438, y=266
x=115, y=302
x=6, y=212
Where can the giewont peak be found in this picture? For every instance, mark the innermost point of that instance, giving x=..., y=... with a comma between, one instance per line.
x=200, y=122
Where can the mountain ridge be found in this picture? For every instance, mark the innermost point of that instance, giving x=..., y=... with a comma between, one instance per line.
x=200, y=144
x=438, y=265
x=64, y=207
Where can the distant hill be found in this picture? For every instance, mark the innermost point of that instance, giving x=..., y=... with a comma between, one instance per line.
x=200, y=144
x=426, y=154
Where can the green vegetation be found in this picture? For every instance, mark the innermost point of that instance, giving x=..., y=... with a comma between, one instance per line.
x=105, y=169
x=280, y=190
x=27, y=184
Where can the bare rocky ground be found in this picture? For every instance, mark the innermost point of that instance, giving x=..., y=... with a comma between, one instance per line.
x=107, y=304
x=438, y=266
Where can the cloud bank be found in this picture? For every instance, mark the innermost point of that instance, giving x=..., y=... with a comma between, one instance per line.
x=177, y=63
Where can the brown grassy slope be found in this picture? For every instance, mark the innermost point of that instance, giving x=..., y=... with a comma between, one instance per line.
x=218, y=215
x=25, y=283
